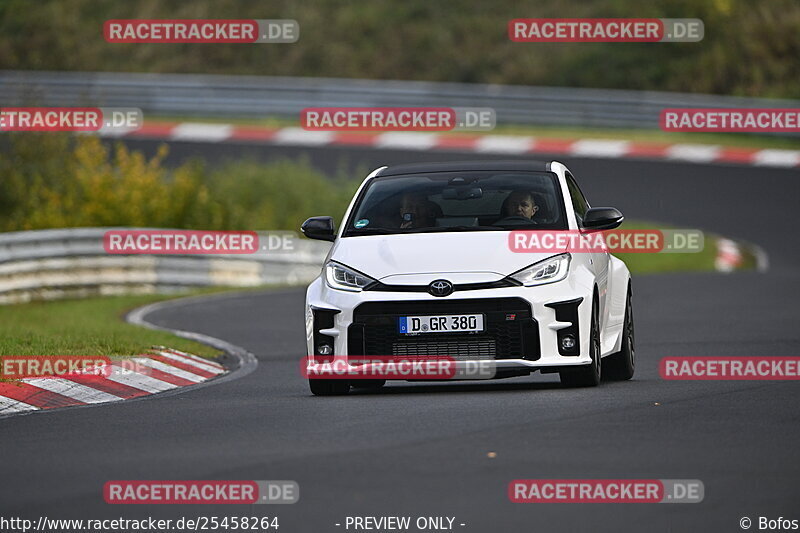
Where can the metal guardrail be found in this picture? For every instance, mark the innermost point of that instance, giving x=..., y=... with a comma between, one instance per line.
x=51, y=264
x=262, y=96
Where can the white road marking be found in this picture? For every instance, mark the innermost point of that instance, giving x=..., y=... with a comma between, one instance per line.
x=139, y=381
x=7, y=405
x=169, y=369
x=196, y=131
x=696, y=153
x=600, y=148
x=198, y=359
x=777, y=158
x=191, y=362
x=501, y=144
x=505, y=144
x=411, y=140
x=303, y=137
x=73, y=390
x=114, y=131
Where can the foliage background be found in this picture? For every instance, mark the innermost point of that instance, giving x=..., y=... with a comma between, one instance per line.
x=751, y=47
x=53, y=180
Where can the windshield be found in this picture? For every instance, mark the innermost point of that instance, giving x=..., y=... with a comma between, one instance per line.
x=458, y=201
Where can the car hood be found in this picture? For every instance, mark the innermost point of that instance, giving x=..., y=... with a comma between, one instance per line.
x=419, y=258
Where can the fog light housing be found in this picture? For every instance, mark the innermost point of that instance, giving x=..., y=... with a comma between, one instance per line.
x=568, y=342
x=323, y=319
x=567, y=337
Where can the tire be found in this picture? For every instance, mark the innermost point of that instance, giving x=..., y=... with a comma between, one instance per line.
x=329, y=387
x=587, y=375
x=621, y=365
x=368, y=383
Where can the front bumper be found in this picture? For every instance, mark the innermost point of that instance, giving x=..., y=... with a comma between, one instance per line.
x=522, y=324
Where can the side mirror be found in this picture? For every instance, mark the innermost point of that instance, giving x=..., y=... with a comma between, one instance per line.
x=321, y=228
x=602, y=218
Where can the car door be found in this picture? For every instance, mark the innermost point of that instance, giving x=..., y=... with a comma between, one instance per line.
x=599, y=260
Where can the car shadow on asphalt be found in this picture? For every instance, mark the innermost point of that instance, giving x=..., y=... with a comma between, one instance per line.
x=454, y=388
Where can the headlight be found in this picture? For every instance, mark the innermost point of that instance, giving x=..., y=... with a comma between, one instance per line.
x=345, y=278
x=550, y=270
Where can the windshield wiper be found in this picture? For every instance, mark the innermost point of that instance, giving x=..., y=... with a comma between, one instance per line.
x=458, y=228
x=369, y=231
x=406, y=231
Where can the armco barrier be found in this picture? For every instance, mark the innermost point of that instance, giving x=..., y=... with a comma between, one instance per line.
x=50, y=264
x=262, y=96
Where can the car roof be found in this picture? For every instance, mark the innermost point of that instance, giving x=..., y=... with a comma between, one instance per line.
x=463, y=166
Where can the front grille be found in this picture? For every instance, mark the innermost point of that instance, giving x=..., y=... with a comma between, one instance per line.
x=378, y=286
x=459, y=349
x=374, y=330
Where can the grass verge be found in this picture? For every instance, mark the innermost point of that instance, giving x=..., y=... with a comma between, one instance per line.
x=661, y=263
x=92, y=326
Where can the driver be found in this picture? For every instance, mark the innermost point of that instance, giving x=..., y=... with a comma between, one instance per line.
x=416, y=211
x=520, y=204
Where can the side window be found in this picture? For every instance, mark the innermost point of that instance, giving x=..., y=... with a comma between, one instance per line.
x=579, y=203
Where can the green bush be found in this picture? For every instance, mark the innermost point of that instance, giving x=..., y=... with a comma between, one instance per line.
x=54, y=181
x=278, y=195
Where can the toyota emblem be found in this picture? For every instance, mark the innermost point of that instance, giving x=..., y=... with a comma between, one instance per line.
x=440, y=287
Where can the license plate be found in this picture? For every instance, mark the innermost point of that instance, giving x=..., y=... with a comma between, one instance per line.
x=412, y=325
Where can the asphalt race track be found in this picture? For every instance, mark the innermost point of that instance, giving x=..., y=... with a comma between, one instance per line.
x=422, y=449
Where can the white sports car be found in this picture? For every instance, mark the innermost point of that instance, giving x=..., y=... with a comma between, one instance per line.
x=424, y=266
